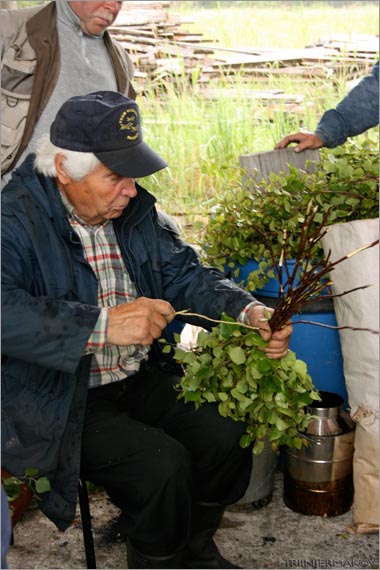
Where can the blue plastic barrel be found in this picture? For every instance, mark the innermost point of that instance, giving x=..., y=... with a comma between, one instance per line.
x=318, y=346
x=271, y=287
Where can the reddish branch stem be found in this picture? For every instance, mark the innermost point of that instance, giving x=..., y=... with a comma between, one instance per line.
x=305, y=283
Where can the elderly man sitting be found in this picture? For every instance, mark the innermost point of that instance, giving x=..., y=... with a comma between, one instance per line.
x=92, y=274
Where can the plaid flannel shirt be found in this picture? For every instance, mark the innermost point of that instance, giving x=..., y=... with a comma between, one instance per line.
x=111, y=363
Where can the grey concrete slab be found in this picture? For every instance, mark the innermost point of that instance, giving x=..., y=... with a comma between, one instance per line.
x=271, y=537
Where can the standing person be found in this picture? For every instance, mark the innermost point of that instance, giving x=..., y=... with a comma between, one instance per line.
x=92, y=274
x=51, y=53
x=356, y=113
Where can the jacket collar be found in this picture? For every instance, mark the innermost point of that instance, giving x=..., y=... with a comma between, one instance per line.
x=137, y=209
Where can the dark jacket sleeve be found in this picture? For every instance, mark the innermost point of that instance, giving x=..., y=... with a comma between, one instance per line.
x=42, y=321
x=356, y=113
x=188, y=284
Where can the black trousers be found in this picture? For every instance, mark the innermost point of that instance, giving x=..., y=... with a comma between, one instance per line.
x=156, y=455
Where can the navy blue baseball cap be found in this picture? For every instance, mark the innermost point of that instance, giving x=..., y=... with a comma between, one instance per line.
x=107, y=124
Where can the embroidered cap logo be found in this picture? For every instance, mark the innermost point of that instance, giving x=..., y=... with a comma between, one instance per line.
x=129, y=122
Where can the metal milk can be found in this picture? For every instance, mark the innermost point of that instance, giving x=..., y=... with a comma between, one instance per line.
x=318, y=477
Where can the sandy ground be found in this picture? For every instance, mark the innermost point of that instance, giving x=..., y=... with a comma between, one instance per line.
x=271, y=537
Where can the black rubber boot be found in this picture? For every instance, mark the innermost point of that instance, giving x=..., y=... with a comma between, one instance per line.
x=201, y=550
x=136, y=559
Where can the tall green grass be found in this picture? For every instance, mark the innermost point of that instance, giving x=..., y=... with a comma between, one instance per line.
x=202, y=139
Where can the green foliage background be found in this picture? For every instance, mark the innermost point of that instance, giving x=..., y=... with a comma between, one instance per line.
x=249, y=223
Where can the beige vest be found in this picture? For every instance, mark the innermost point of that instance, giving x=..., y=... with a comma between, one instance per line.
x=29, y=71
x=18, y=66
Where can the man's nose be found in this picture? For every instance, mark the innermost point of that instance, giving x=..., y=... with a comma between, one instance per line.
x=128, y=187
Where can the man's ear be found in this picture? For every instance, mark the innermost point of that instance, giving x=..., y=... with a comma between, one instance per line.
x=59, y=162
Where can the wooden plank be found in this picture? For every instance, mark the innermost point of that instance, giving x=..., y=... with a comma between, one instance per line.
x=139, y=17
x=353, y=43
x=154, y=37
x=290, y=70
x=188, y=38
x=257, y=61
x=173, y=66
x=277, y=161
x=174, y=50
x=126, y=40
x=135, y=31
x=149, y=4
x=277, y=53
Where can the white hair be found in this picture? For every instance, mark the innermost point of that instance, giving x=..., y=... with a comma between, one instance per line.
x=77, y=164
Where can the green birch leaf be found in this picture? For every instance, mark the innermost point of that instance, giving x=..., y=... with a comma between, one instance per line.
x=237, y=355
x=315, y=395
x=209, y=397
x=222, y=396
x=258, y=447
x=227, y=381
x=42, y=485
x=189, y=358
x=300, y=368
x=223, y=409
x=31, y=472
x=218, y=352
x=192, y=396
x=237, y=395
x=245, y=441
x=242, y=387
x=281, y=425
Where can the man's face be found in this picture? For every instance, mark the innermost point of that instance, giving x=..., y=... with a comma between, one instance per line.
x=95, y=17
x=101, y=195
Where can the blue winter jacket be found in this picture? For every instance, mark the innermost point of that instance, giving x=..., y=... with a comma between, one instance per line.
x=49, y=309
x=356, y=113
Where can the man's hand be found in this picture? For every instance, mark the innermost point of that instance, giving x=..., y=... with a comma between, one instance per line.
x=278, y=344
x=305, y=140
x=139, y=322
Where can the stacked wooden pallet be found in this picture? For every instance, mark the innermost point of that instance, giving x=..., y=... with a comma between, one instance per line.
x=163, y=51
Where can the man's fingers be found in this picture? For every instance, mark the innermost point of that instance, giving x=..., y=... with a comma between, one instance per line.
x=169, y=316
x=138, y=322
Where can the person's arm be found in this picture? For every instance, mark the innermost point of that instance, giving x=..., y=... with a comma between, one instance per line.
x=206, y=291
x=356, y=113
x=54, y=332
x=38, y=324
